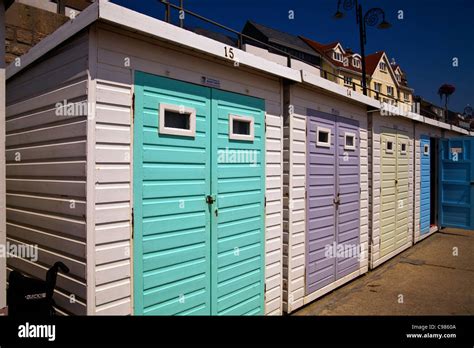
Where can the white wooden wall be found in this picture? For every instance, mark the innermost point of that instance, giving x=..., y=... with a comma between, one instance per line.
x=378, y=125
x=300, y=99
x=46, y=169
x=430, y=131
x=113, y=134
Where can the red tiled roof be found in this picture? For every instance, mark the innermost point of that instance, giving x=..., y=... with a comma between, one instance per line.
x=323, y=50
x=372, y=60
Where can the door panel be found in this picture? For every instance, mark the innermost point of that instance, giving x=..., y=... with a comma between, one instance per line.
x=457, y=183
x=401, y=237
x=321, y=188
x=348, y=211
x=388, y=192
x=394, y=191
x=172, y=226
x=425, y=184
x=239, y=182
x=333, y=199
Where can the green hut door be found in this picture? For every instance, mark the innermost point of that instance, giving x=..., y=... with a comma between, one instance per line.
x=198, y=199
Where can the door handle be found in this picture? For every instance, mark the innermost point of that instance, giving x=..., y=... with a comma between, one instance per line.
x=210, y=199
x=337, y=200
x=396, y=182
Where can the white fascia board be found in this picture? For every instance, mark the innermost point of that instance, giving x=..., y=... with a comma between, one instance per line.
x=459, y=129
x=67, y=30
x=431, y=121
x=333, y=87
x=444, y=125
x=139, y=22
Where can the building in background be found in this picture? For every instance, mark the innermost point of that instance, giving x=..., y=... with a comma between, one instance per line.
x=276, y=43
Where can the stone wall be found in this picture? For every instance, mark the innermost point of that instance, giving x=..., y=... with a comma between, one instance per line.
x=26, y=26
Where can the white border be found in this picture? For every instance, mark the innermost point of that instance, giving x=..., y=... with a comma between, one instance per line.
x=162, y=129
x=245, y=137
x=323, y=144
x=387, y=150
x=349, y=147
x=426, y=153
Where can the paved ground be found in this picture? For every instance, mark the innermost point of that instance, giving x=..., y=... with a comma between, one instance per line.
x=431, y=279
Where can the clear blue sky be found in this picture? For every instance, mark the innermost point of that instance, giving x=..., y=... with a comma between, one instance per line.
x=423, y=43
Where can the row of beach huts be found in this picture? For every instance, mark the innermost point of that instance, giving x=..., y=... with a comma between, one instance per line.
x=174, y=174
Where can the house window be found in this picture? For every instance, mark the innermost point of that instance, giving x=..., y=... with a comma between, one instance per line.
x=399, y=78
x=406, y=96
x=403, y=149
x=337, y=56
x=390, y=90
x=177, y=120
x=356, y=63
x=241, y=127
x=348, y=81
x=323, y=137
x=426, y=150
x=377, y=87
x=349, y=141
x=383, y=66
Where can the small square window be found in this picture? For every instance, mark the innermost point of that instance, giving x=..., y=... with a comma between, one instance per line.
x=323, y=137
x=403, y=148
x=241, y=127
x=177, y=120
x=349, y=141
x=426, y=150
x=389, y=147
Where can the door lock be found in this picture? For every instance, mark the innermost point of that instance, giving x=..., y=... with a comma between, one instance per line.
x=210, y=199
x=337, y=200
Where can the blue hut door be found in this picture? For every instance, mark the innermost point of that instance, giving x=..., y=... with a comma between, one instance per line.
x=425, y=183
x=457, y=183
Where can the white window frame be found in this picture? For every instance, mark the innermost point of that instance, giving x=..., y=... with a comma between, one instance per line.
x=243, y=137
x=349, y=147
x=321, y=143
x=426, y=150
x=162, y=129
x=383, y=66
x=379, y=85
x=390, y=91
x=356, y=62
x=337, y=56
x=401, y=147
x=387, y=150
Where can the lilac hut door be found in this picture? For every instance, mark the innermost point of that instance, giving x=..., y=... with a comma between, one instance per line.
x=333, y=191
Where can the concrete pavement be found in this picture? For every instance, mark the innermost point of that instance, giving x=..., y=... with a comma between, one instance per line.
x=434, y=277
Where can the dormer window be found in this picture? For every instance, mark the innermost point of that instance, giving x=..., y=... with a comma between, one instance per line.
x=337, y=56
x=383, y=66
x=356, y=62
x=399, y=78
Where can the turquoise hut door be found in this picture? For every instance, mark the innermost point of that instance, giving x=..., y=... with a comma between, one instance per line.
x=198, y=200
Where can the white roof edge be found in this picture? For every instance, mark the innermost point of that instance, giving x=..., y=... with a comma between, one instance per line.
x=139, y=22
x=330, y=86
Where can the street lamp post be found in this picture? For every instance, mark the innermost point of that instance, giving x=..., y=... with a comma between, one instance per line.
x=371, y=18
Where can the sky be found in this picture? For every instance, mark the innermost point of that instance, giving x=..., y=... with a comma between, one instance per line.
x=425, y=42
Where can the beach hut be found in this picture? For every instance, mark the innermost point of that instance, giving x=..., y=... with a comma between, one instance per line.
x=326, y=189
x=148, y=159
